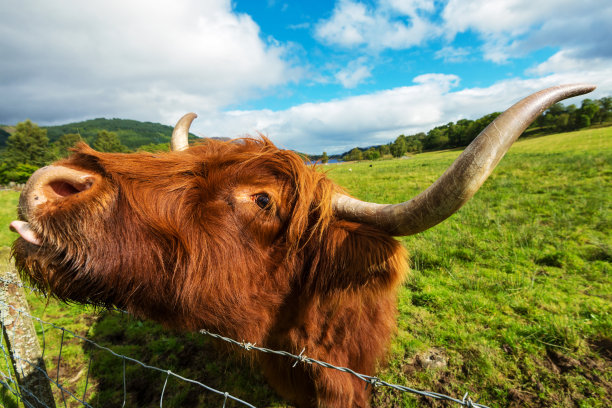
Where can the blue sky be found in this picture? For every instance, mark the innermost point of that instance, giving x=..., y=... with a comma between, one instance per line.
x=313, y=76
x=371, y=66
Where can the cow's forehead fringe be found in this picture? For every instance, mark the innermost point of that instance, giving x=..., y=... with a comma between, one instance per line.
x=310, y=191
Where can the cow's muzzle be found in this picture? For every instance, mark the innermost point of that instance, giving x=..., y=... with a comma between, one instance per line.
x=49, y=184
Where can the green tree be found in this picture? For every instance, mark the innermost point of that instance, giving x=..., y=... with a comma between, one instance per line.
x=606, y=108
x=17, y=172
x=561, y=122
x=399, y=147
x=414, y=145
x=354, y=154
x=556, y=109
x=64, y=143
x=28, y=145
x=324, y=158
x=477, y=126
x=437, y=138
x=583, y=121
x=456, y=131
x=154, y=148
x=384, y=150
x=108, y=142
x=371, y=154
x=590, y=108
x=571, y=110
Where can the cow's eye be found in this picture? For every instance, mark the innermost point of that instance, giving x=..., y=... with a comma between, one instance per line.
x=262, y=200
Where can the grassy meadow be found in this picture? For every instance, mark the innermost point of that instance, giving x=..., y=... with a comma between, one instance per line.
x=510, y=299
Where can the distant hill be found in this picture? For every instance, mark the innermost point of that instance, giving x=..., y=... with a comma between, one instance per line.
x=132, y=133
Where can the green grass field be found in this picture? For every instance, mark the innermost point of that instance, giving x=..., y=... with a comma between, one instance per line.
x=510, y=299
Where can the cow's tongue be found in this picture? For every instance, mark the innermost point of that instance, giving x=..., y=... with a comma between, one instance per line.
x=23, y=229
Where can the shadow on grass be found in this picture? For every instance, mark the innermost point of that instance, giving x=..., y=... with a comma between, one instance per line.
x=7, y=399
x=190, y=355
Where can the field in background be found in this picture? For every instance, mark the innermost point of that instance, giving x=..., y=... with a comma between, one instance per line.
x=510, y=299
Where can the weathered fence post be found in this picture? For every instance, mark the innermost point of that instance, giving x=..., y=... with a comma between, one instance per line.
x=20, y=337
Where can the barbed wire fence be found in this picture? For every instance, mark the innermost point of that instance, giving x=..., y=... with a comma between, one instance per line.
x=28, y=389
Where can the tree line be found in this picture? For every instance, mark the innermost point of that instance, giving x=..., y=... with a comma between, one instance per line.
x=29, y=148
x=132, y=133
x=558, y=118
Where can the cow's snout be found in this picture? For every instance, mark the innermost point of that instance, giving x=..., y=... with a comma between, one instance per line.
x=52, y=183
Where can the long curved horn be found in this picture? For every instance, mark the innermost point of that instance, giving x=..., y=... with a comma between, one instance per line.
x=464, y=177
x=181, y=132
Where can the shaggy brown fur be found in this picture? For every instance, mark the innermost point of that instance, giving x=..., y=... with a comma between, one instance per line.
x=180, y=238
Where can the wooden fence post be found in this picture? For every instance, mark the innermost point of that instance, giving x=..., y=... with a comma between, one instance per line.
x=20, y=337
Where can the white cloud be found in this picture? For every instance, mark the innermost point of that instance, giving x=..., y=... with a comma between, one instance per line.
x=567, y=66
x=339, y=125
x=511, y=17
x=507, y=28
x=133, y=59
x=408, y=7
x=452, y=54
x=354, y=73
x=441, y=81
x=392, y=24
x=511, y=28
x=67, y=60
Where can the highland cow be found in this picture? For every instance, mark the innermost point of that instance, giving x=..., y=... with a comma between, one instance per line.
x=244, y=239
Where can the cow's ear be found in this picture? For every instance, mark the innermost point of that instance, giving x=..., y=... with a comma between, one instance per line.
x=356, y=256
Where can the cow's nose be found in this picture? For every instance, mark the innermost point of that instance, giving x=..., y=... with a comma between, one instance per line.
x=52, y=183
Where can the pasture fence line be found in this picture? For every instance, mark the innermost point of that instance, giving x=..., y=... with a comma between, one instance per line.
x=29, y=397
x=32, y=398
x=466, y=401
x=22, y=344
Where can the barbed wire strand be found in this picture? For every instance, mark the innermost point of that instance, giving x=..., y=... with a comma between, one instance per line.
x=466, y=401
x=369, y=380
x=130, y=359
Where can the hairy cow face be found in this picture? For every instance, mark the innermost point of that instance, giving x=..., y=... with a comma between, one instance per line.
x=131, y=229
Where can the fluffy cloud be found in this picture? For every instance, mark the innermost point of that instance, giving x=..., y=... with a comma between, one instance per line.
x=138, y=59
x=393, y=24
x=354, y=73
x=568, y=66
x=507, y=28
x=339, y=125
x=511, y=28
x=453, y=54
x=69, y=60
